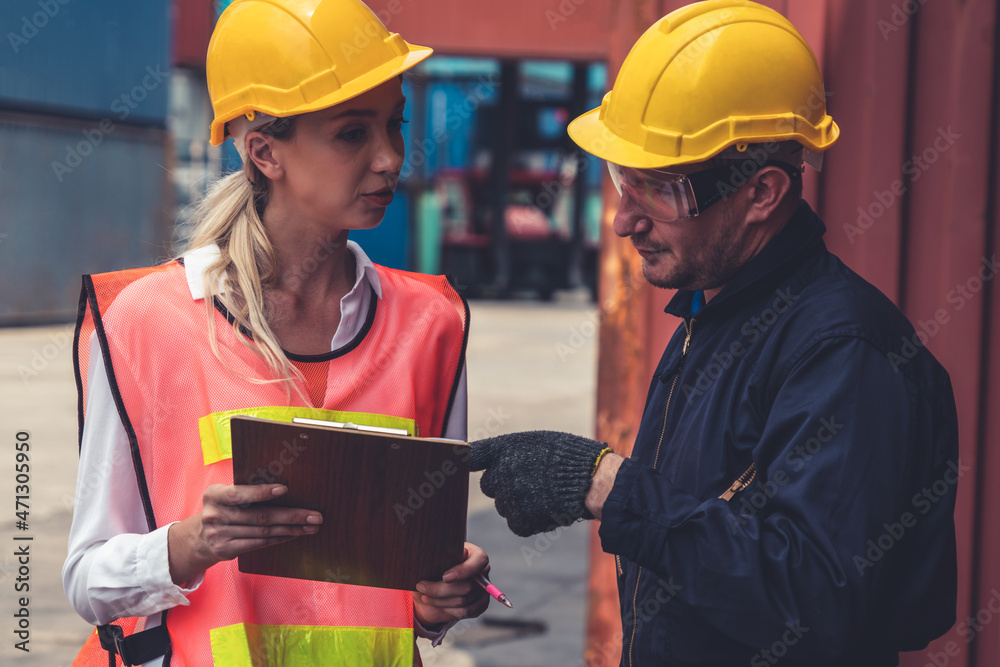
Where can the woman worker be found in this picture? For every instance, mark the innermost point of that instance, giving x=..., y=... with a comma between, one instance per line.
x=269, y=311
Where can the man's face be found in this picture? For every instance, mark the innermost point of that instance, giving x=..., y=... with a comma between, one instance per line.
x=697, y=253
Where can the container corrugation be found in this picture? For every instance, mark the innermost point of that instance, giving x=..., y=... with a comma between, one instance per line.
x=107, y=210
x=78, y=58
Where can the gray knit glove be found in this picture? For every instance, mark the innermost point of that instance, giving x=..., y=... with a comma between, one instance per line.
x=538, y=478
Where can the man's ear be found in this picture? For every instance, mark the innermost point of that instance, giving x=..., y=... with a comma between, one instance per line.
x=259, y=150
x=770, y=185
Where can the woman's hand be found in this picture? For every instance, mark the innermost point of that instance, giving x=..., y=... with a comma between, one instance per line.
x=458, y=596
x=230, y=523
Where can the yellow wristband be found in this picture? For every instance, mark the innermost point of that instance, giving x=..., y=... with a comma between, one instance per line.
x=598, y=461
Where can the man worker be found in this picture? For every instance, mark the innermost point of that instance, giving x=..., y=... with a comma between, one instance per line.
x=791, y=490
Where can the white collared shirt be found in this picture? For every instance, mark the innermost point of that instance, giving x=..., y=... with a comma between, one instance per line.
x=115, y=568
x=353, y=307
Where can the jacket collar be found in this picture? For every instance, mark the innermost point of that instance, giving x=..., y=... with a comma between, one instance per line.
x=801, y=236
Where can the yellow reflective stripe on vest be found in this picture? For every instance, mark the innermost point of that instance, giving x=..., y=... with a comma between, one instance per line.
x=216, y=444
x=247, y=645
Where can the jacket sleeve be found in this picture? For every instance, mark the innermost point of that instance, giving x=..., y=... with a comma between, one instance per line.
x=834, y=467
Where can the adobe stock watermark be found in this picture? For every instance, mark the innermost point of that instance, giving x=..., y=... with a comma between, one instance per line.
x=433, y=310
x=967, y=630
x=8, y=568
x=750, y=332
x=900, y=15
x=371, y=32
x=417, y=497
x=572, y=169
x=418, y=152
x=94, y=479
x=544, y=541
x=913, y=169
x=31, y=25
x=322, y=251
x=272, y=473
x=581, y=333
x=665, y=591
x=364, y=37
x=123, y=107
x=958, y=297
x=47, y=353
x=922, y=502
x=435, y=479
x=779, y=649
x=755, y=498
x=757, y=155
x=607, y=654
x=755, y=158
x=604, y=654
x=562, y=13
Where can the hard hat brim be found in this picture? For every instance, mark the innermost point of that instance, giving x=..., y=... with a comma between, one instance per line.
x=590, y=133
x=352, y=89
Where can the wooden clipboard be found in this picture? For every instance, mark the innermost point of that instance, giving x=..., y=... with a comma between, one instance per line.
x=394, y=507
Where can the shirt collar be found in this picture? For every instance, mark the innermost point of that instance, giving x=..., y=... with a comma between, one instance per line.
x=197, y=261
x=365, y=268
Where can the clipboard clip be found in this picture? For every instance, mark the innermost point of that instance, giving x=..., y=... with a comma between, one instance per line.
x=351, y=425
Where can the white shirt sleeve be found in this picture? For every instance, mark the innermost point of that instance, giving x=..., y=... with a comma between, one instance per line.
x=115, y=567
x=458, y=421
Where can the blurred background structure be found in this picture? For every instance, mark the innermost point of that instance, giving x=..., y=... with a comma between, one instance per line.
x=104, y=121
x=84, y=147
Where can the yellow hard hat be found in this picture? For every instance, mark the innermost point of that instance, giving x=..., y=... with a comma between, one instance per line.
x=705, y=77
x=287, y=57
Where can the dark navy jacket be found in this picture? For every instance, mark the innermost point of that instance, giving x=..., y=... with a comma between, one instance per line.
x=841, y=551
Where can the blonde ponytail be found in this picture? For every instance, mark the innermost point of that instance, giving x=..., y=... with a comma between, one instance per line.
x=229, y=216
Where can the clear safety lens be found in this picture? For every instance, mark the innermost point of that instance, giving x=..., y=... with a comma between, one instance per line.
x=659, y=194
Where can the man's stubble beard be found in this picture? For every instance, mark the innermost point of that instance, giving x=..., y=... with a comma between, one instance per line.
x=723, y=259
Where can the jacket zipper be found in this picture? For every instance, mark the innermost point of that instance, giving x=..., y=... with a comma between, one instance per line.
x=742, y=482
x=688, y=328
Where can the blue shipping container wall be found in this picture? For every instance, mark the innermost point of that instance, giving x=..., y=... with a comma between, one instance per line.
x=89, y=59
x=83, y=108
x=451, y=121
x=108, y=212
x=388, y=244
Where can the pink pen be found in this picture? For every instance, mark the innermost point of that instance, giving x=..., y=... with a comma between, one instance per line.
x=493, y=590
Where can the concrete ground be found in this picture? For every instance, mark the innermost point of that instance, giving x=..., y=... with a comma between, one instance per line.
x=527, y=370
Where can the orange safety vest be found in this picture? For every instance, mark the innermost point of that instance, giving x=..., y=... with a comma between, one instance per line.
x=175, y=397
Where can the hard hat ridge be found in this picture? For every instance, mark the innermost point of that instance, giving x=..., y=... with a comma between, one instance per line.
x=705, y=77
x=287, y=57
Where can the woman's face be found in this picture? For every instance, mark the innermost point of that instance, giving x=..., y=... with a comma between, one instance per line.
x=341, y=165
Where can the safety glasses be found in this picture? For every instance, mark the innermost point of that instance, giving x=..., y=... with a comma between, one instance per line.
x=667, y=196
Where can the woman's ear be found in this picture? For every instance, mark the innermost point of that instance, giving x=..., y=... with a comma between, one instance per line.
x=259, y=150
